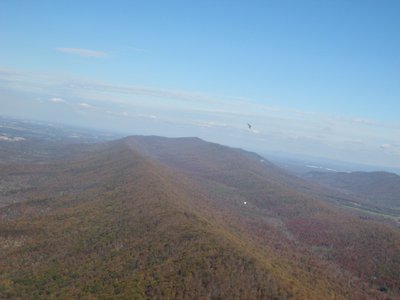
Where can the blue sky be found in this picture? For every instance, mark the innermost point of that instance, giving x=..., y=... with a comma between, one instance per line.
x=314, y=77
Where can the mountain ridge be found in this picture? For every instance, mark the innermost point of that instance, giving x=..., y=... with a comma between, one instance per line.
x=116, y=221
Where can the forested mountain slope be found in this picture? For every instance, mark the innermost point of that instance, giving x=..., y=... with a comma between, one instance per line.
x=153, y=218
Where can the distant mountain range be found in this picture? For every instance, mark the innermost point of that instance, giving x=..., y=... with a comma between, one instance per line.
x=301, y=164
x=375, y=188
x=161, y=218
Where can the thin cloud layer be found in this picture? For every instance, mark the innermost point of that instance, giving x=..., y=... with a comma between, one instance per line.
x=82, y=52
x=152, y=110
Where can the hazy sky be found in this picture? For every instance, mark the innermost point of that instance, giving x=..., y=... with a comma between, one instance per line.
x=312, y=77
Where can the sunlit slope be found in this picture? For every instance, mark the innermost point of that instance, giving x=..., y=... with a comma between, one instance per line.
x=115, y=225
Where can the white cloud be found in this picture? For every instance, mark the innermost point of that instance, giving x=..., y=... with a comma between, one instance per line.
x=82, y=52
x=85, y=105
x=211, y=124
x=392, y=149
x=57, y=100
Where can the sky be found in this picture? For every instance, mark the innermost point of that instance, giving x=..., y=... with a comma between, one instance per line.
x=317, y=78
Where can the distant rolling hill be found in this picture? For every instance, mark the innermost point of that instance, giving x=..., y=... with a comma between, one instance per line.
x=159, y=218
x=376, y=188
